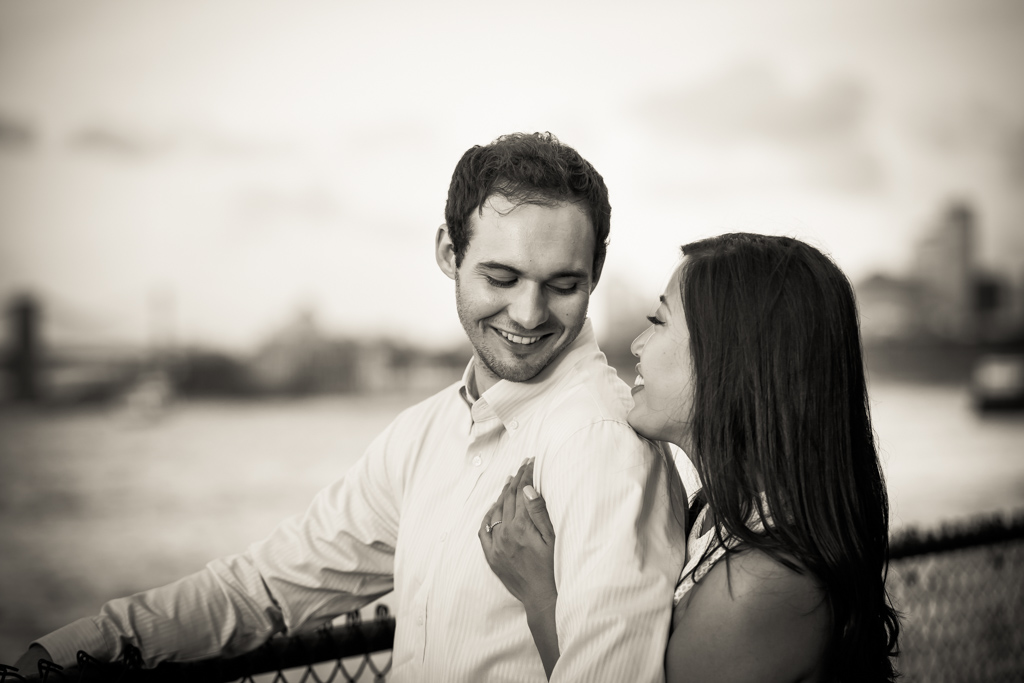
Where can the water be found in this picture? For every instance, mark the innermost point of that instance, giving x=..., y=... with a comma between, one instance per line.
x=103, y=502
x=943, y=461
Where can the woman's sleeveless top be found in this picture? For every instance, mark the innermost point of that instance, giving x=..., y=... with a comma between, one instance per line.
x=697, y=545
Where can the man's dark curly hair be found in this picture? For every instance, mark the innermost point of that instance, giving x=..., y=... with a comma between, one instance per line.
x=526, y=168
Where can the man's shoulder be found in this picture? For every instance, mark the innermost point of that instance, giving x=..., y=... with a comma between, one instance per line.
x=434, y=413
x=586, y=414
x=429, y=422
x=590, y=392
x=439, y=402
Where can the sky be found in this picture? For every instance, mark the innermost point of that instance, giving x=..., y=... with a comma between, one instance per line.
x=210, y=169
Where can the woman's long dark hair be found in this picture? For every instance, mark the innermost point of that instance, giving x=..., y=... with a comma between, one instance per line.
x=780, y=406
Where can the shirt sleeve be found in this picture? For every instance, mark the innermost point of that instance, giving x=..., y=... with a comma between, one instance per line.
x=333, y=559
x=614, y=501
x=221, y=610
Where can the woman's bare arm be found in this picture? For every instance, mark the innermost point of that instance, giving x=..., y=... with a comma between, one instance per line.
x=520, y=551
x=752, y=619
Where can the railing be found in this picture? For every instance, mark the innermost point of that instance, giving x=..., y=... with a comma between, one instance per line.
x=355, y=651
x=960, y=591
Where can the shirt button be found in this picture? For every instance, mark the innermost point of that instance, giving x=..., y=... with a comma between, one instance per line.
x=419, y=621
x=513, y=425
x=444, y=537
x=477, y=460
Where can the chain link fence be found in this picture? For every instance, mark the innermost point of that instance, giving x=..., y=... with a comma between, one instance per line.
x=960, y=591
x=354, y=652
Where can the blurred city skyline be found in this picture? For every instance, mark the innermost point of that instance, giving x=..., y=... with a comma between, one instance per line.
x=205, y=170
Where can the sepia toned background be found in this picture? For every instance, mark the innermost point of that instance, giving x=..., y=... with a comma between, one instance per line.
x=217, y=220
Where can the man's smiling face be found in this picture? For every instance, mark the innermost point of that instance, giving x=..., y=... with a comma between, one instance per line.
x=523, y=286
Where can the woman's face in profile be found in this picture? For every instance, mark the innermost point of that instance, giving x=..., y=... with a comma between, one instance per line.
x=663, y=391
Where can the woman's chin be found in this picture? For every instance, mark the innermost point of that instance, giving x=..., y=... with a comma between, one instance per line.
x=635, y=420
x=679, y=435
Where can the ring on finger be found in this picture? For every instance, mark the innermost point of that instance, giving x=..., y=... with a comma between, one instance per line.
x=488, y=527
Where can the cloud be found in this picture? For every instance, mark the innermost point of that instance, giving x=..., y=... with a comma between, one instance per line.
x=271, y=208
x=821, y=128
x=133, y=143
x=973, y=128
x=115, y=142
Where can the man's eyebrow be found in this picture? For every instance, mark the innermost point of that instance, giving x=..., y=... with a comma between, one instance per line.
x=495, y=265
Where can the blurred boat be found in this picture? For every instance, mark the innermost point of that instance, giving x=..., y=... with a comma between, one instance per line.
x=997, y=382
x=150, y=395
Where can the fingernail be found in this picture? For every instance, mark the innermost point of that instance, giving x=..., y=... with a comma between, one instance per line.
x=529, y=492
x=508, y=479
x=525, y=460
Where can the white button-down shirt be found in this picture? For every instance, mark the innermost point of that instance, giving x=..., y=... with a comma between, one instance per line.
x=406, y=516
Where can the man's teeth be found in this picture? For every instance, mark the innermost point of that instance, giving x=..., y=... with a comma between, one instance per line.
x=517, y=339
x=639, y=382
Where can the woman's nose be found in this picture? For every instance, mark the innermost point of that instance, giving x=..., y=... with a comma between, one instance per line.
x=637, y=347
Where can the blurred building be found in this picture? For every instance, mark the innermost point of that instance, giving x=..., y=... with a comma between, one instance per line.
x=297, y=360
x=946, y=297
x=34, y=371
x=944, y=273
x=888, y=308
x=301, y=359
x=932, y=323
x=23, y=358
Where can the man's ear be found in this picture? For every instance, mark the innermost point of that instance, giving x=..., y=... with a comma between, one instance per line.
x=444, y=252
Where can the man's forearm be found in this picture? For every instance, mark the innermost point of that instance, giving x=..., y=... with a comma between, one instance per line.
x=28, y=663
x=223, y=609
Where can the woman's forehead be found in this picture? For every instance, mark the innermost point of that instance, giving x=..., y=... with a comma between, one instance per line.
x=672, y=296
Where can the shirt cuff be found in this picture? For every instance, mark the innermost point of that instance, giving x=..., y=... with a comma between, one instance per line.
x=64, y=643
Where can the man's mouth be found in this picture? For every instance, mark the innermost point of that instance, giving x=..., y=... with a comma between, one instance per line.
x=526, y=341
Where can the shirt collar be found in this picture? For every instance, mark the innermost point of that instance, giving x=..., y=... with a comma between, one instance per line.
x=514, y=401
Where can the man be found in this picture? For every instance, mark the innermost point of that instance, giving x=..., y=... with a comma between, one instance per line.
x=527, y=221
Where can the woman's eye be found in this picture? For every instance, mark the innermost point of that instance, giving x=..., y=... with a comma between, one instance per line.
x=654, y=321
x=564, y=290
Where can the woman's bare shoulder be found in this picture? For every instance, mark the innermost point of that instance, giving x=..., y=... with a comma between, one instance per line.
x=755, y=580
x=752, y=618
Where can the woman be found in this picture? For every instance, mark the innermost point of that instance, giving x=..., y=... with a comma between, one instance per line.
x=752, y=365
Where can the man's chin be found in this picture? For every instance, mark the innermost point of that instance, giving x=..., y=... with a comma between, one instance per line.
x=517, y=374
x=514, y=371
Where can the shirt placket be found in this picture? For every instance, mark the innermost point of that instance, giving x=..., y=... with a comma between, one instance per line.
x=485, y=433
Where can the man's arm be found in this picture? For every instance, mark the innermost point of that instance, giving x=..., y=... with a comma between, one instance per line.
x=28, y=663
x=222, y=609
x=618, y=553
x=335, y=558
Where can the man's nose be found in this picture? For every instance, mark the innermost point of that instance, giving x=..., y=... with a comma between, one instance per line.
x=529, y=308
x=637, y=347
